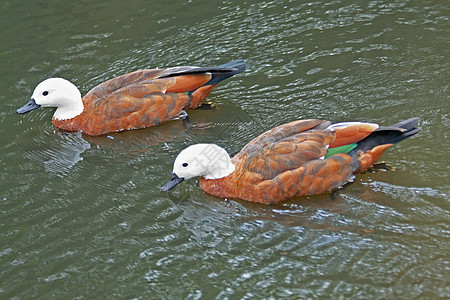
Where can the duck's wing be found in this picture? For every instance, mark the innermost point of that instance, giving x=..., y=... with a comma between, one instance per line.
x=149, y=97
x=286, y=147
x=139, y=83
x=171, y=80
x=137, y=88
x=144, y=96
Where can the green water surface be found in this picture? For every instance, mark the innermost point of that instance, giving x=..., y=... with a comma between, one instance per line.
x=83, y=217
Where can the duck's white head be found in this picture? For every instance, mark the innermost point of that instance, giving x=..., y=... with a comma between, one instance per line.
x=207, y=160
x=59, y=93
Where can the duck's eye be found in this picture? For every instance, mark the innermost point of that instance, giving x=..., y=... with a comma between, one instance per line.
x=185, y=165
x=45, y=93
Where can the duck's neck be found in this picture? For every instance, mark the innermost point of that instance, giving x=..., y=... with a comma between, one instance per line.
x=220, y=172
x=69, y=111
x=219, y=163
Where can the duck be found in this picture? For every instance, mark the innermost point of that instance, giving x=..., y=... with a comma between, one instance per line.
x=299, y=158
x=134, y=100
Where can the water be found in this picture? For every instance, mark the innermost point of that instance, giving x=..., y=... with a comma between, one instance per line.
x=83, y=217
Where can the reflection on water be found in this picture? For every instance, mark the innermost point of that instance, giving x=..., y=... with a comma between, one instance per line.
x=59, y=154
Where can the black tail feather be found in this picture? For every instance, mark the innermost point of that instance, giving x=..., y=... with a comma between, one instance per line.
x=232, y=68
x=404, y=136
x=219, y=73
x=407, y=124
x=388, y=135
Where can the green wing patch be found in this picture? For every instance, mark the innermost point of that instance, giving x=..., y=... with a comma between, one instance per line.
x=341, y=149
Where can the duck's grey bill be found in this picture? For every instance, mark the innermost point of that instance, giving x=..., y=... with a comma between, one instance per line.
x=174, y=180
x=28, y=107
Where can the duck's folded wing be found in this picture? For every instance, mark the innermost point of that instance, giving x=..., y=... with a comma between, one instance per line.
x=172, y=80
x=123, y=81
x=140, y=83
x=286, y=147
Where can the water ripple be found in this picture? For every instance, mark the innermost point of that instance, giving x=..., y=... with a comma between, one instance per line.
x=83, y=217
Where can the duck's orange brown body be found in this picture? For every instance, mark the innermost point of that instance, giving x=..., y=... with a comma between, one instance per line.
x=288, y=161
x=142, y=98
x=135, y=100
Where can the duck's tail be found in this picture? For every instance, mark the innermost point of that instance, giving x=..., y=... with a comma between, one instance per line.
x=213, y=75
x=218, y=73
x=224, y=71
x=369, y=150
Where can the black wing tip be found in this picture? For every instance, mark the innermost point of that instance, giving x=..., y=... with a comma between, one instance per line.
x=407, y=128
x=238, y=65
x=403, y=126
x=389, y=135
x=407, y=124
x=230, y=68
x=405, y=135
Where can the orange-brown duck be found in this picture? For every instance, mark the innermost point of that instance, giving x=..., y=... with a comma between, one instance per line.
x=134, y=100
x=304, y=157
